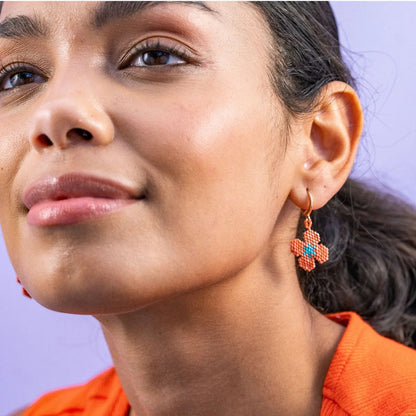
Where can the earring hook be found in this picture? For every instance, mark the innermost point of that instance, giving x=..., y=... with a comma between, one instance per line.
x=307, y=212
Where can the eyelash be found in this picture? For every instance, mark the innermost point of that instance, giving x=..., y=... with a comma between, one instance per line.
x=14, y=68
x=152, y=45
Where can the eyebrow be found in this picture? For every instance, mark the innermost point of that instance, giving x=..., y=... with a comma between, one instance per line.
x=23, y=26
x=111, y=10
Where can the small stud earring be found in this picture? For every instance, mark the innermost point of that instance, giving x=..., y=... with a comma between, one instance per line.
x=24, y=291
x=310, y=249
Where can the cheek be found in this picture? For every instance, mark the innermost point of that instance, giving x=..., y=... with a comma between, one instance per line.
x=203, y=134
x=210, y=166
x=13, y=147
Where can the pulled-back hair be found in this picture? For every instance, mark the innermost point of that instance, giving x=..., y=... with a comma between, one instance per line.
x=371, y=235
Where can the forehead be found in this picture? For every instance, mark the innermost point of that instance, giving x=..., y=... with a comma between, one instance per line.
x=98, y=14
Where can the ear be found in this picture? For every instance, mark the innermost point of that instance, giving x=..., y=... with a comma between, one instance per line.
x=328, y=146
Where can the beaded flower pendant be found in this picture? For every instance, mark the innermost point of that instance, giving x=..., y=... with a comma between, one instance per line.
x=310, y=249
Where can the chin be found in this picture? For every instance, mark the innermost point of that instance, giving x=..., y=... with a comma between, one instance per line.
x=100, y=292
x=80, y=291
x=81, y=302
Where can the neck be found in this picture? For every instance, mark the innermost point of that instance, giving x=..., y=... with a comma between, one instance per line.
x=248, y=345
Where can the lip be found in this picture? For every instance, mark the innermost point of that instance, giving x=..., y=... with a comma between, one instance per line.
x=74, y=197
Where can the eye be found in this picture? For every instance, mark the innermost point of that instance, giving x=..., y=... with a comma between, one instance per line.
x=17, y=75
x=153, y=53
x=157, y=57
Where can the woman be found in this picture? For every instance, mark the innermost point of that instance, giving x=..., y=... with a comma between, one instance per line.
x=154, y=177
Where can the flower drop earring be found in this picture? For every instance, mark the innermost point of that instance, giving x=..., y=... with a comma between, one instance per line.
x=310, y=249
x=24, y=291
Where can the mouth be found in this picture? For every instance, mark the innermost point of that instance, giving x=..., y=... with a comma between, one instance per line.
x=72, y=198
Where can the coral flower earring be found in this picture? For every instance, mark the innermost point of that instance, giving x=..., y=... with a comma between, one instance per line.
x=310, y=249
x=24, y=291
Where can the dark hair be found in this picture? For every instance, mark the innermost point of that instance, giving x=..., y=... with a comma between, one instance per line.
x=371, y=235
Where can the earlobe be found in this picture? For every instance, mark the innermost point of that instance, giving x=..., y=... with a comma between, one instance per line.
x=334, y=132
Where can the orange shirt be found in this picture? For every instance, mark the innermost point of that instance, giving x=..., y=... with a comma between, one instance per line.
x=102, y=396
x=369, y=376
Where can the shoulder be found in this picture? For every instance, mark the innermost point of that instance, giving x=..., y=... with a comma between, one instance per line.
x=92, y=398
x=370, y=374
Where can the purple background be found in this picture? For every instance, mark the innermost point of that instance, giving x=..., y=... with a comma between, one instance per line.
x=41, y=350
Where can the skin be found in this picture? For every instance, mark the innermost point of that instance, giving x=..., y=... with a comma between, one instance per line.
x=195, y=287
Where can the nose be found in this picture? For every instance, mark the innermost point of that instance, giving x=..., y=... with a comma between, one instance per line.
x=68, y=119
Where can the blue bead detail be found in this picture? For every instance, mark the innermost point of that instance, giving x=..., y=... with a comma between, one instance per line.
x=309, y=250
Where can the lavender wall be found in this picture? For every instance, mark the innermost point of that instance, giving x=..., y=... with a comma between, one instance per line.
x=41, y=350
x=381, y=36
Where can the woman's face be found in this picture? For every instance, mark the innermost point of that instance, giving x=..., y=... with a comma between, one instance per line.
x=172, y=102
